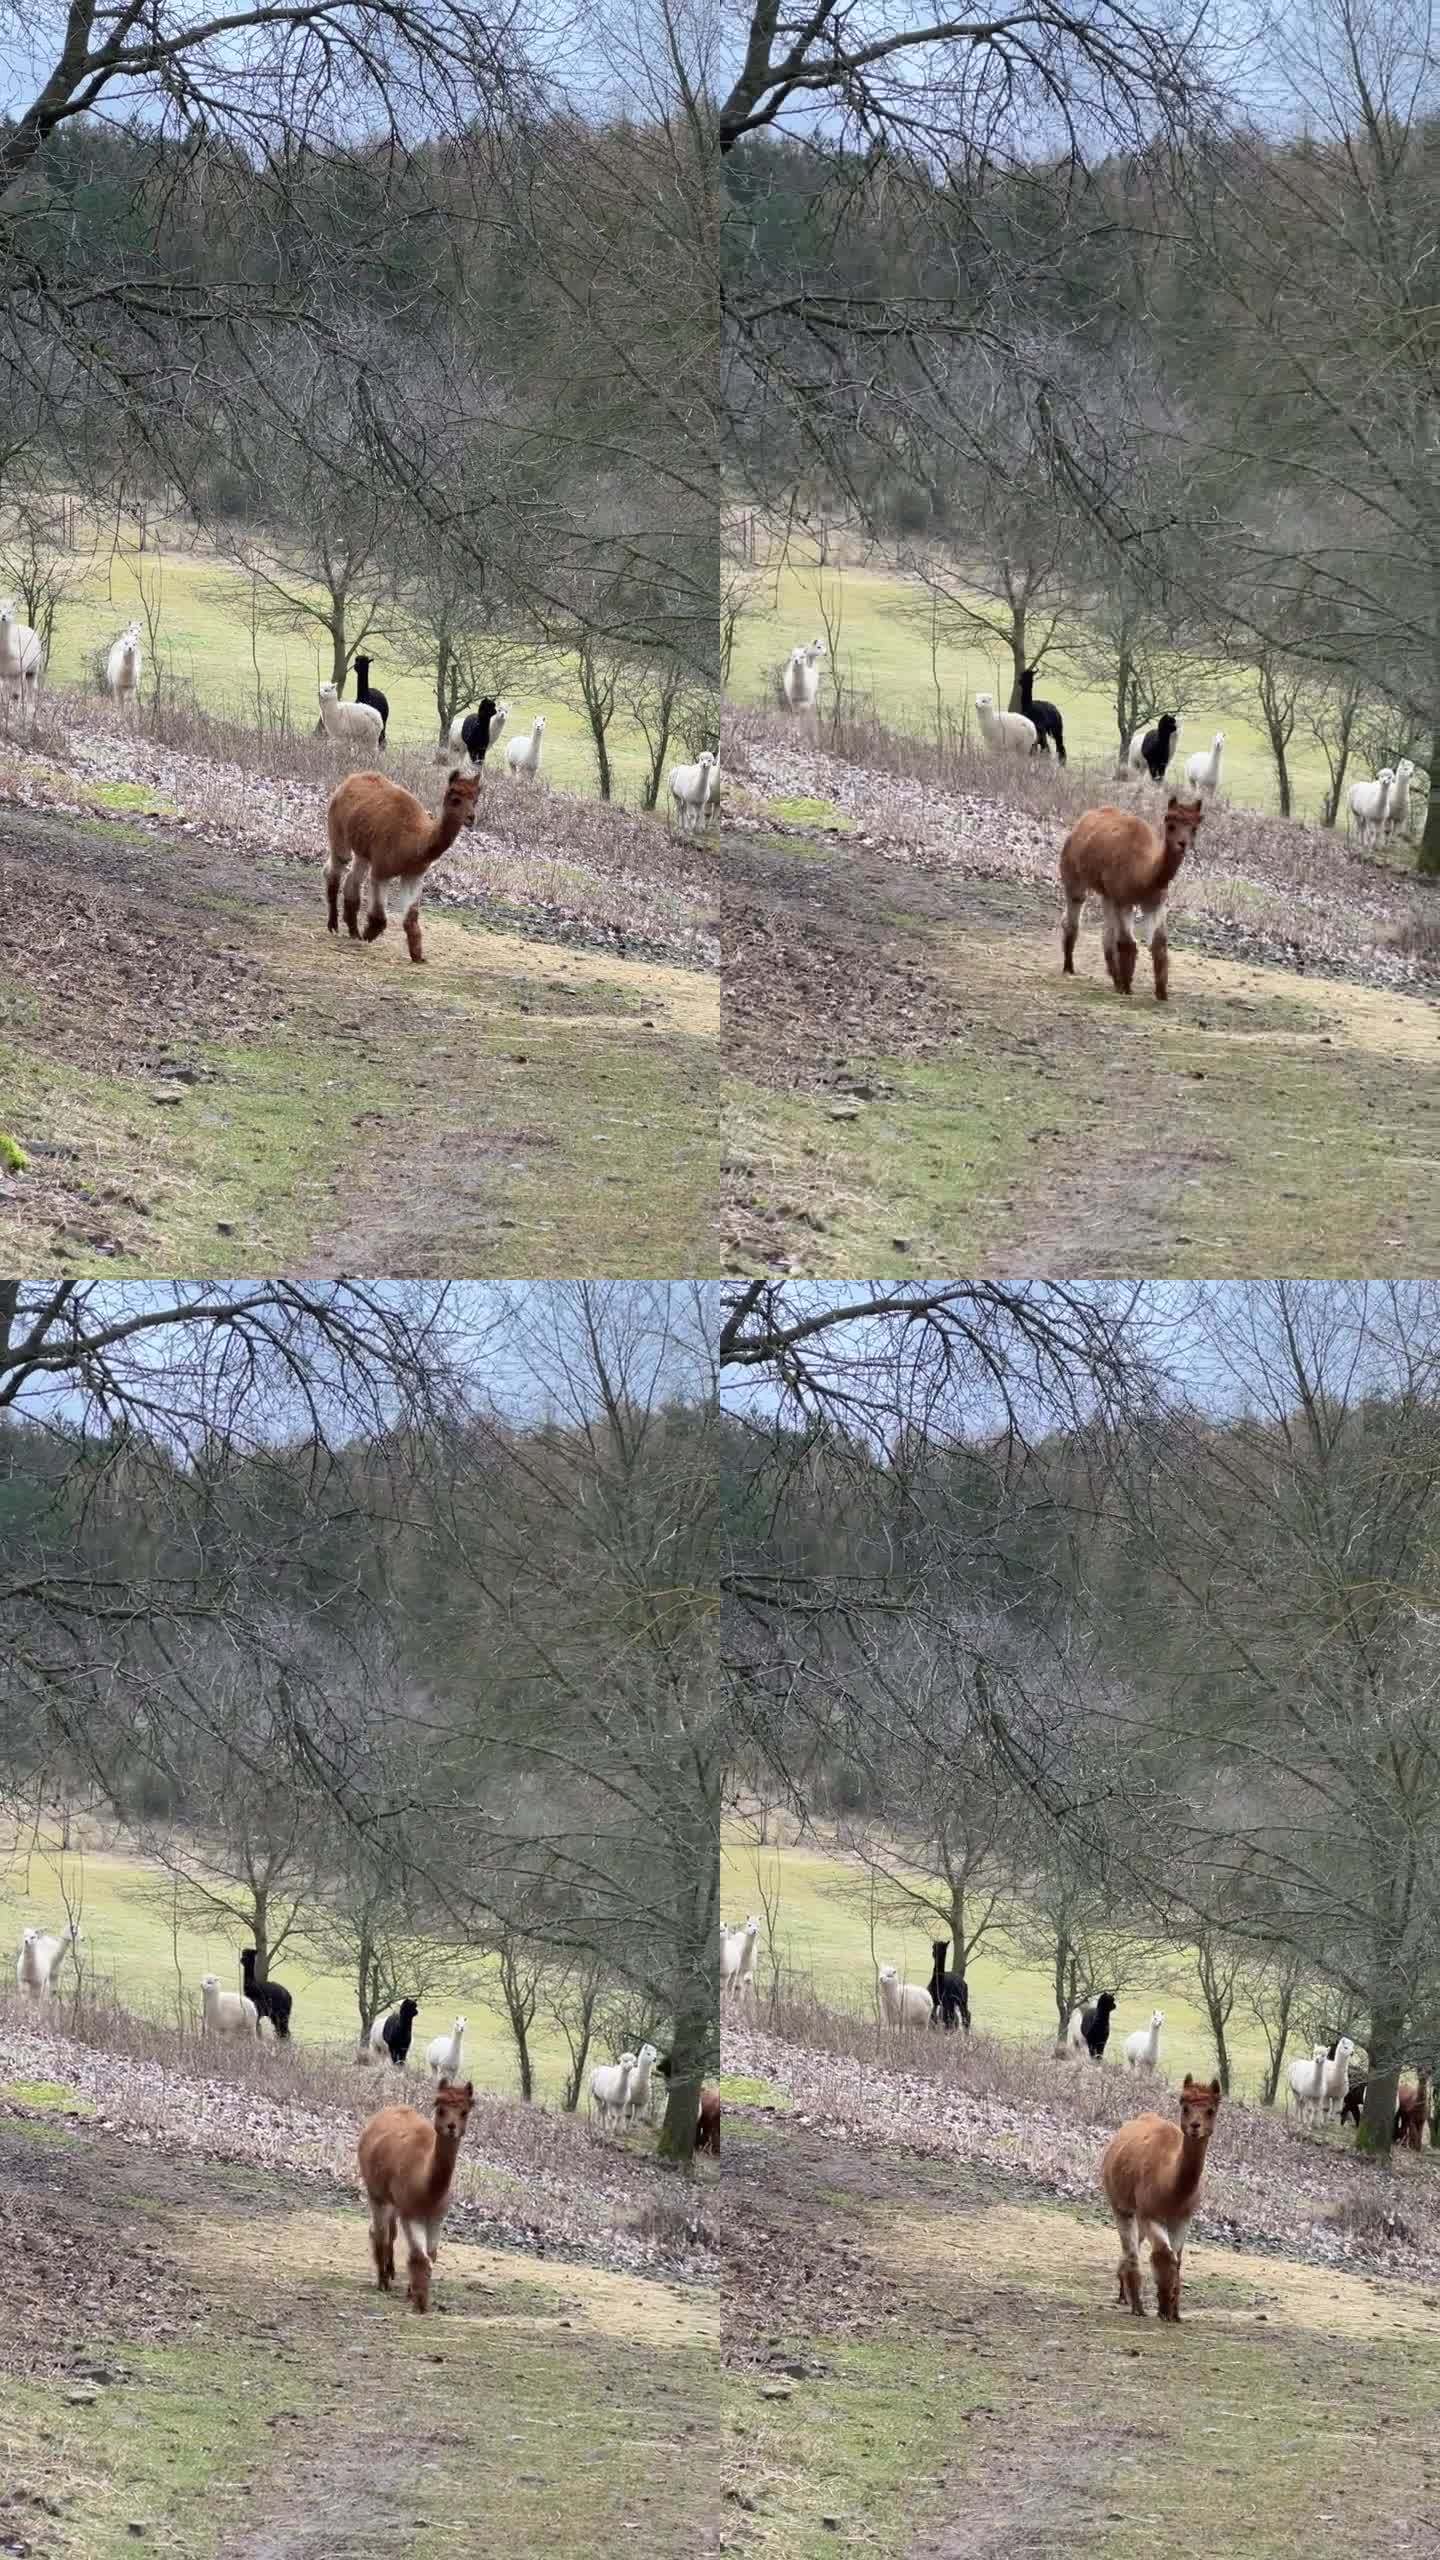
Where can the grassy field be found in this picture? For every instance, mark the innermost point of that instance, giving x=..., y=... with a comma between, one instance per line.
x=206, y=640
x=210, y=2373
x=883, y=652
x=821, y=1908
x=127, y=1941
x=963, y=2383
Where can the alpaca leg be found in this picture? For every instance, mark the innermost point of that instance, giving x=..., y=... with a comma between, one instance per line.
x=1070, y=932
x=382, y=2244
x=376, y=918
x=414, y=942
x=1160, y=958
x=355, y=879
x=335, y=870
x=1166, y=2263
x=1123, y=971
x=1130, y=2295
x=1110, y=929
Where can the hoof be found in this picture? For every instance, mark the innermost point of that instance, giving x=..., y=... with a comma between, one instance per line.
x=374, y=927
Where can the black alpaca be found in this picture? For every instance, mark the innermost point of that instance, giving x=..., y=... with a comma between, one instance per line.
x=1158, y=745
x=1350, y=2112
x=271, y=1999
x=949, y=1999
x=398, y=2029
x=365, y=691
x=1095, y=2024
x=1046, y=716
x=475, y=730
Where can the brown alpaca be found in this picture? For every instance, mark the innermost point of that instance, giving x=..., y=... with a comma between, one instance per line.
x=707, y=2134
x=385, y=834
x=1151, y=2175
x=407, y=2166
x=1113, y=855
x=1412, y=2110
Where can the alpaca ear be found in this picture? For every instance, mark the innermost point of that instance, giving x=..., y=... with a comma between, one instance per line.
x=1188, y=2084
x=470, y=2088
x=1214, y=2088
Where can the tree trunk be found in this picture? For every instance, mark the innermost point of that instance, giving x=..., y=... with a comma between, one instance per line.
x=1018, y=660
x=1429, y=855
x=1376, y=2131
x=691, y=2051
x=260, y=1923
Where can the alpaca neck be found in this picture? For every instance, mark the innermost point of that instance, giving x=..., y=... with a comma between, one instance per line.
x=441, y=2173
x=1174, y=846
x=443, y=833
x=1189, y=2169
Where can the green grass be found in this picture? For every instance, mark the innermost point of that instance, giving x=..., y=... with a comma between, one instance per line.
x=1008, y=2394
x=822, y=1930
x=204, y=629
x=46, y=2095
x=262, y=2439
x=882, y=652
x=126, y=1924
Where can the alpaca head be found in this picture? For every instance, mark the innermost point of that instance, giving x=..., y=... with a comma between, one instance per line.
x=1403, y=770
x=706, y=760
x=537, y=726
x=1199, y=2107
x=328, y=693
x=1386, y=775
x=30, y=1937
x=752, y=1927
x=648, y=2053
x=452, y=2109
x=1104, y=2004
x=984, y=701
x=459, y=2027
x=1167, y=726
x=1182, y=817
x=815, y=652
x=1344, y=2049
x=408, y=2009
x=209, y=1981
x=940, y=1948
x=1319, y=2053
x=1218, y=740
x=461, y=793
x=628, y=2061
x=888, y=1973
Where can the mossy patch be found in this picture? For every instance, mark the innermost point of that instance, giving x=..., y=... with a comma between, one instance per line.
x=47, y=2095
x=741, y=2092
x=801, y=812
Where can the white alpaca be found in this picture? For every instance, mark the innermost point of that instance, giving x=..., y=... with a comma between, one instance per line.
x=354, y=724
x=637, y=2096
x=1202, y=772
x=1335, y=2077
x=39, y=1960
x=522, y=756
x=610, y=2089
x=903, y=2003
x=1142, y=2049
x=690, y=789
x=123, y=669
x=737, y=1960
x=445, y=2055
x=1369, y=802
x=1307, y=2081
x=710, y=814
x=1397, y=800
x=802, y=676
x=1005, y=732
x=1133, y=760
x=227, y=2013
x=21, y=658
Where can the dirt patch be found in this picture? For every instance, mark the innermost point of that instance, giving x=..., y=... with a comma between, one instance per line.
x=67, y=2250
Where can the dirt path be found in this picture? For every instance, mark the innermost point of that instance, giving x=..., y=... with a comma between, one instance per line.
x=202, y=1079
x=195, y=2362
x=915, y=1084
x=933, y=2368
